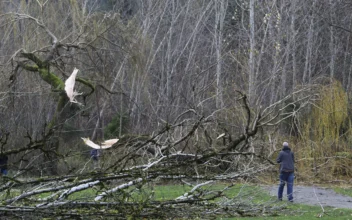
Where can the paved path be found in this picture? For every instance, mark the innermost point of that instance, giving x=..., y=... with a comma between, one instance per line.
x=314, y=195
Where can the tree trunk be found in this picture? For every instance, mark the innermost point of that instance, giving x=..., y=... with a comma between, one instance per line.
x=251, y=76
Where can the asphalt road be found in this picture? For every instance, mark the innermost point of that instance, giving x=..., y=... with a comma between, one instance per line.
x=318, y=196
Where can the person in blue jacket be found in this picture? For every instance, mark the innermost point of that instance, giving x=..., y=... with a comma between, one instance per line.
x=287, y=166
x=95, y=154
x=3, y=164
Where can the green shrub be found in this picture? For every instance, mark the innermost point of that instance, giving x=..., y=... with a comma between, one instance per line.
x=115, y=127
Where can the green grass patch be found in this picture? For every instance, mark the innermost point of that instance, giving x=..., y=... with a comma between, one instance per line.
x=167, y=192
x=87, y=194
x=344, y=191
x=241, y=191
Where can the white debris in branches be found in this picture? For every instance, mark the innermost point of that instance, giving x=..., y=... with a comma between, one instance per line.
x=110, y=142
x=91, y=143
x=69, y=87
x=106, y=144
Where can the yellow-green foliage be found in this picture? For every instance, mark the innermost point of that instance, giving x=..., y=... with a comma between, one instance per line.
x=342, y=164
x=322, y=129
x=328, y=116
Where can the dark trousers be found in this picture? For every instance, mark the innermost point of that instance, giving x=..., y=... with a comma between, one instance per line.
x=286, y=177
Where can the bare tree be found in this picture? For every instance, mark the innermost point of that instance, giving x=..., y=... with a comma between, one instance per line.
x=251, y=75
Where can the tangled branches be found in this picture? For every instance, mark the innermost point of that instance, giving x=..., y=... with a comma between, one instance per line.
x=188, y=152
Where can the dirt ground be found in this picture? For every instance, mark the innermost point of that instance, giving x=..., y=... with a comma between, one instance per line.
x=318, y=196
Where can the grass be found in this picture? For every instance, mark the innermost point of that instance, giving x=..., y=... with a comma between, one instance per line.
x=347, y=191
x=167, y=192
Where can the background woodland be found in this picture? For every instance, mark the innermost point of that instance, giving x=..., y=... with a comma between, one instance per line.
x=208, y=89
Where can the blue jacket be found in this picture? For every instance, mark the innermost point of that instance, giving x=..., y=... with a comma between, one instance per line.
x=286, y=159
x=3, y=162
x=94, y=154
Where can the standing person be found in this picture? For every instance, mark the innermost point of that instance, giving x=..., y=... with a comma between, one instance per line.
x=3, y=164
x=94, y=154
x=287, y=167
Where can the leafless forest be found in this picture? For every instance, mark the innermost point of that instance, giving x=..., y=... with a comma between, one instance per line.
x=198, y=92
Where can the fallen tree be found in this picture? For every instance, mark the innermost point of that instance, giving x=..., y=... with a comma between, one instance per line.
x=176, y=158
x=202, y=146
